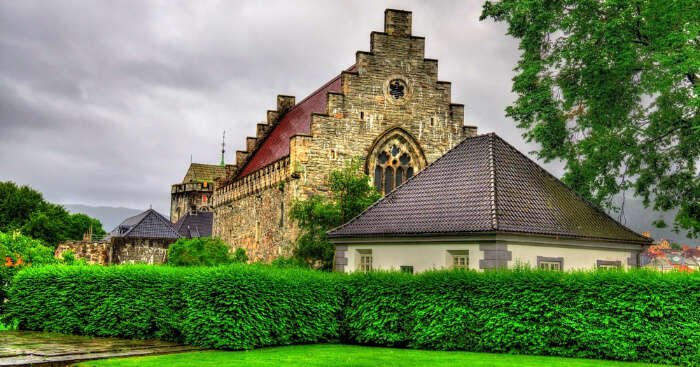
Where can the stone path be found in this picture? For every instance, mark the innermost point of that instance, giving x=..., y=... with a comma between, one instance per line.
x=24, y=348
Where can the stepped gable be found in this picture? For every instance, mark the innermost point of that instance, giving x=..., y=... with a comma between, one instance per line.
x=204, y=172
x=297, y=121
x=195, y=225
x=485, y=185
x=149, y=224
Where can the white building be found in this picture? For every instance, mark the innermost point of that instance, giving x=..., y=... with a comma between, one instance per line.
x=483, y=205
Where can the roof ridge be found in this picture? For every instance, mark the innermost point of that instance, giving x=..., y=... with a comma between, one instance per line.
x=146, y=212
x=492, y=177
x=570, y=190
x=166, y=221
x=390, y=194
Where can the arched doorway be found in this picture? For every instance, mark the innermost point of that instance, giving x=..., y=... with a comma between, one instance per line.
x=394, y=157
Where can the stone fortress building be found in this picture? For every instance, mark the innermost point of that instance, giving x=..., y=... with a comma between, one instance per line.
x=389, y=108
x=194, y=194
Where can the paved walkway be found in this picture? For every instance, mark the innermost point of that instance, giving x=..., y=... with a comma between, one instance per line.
x=23, y=348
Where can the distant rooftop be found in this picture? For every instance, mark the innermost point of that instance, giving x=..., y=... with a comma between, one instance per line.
x=149, y=224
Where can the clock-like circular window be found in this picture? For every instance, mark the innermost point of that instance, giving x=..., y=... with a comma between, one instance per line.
x=397, y=89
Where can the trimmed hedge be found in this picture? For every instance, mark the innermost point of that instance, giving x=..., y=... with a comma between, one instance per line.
x=231, y=307
x=630, y=316
x=633, y=316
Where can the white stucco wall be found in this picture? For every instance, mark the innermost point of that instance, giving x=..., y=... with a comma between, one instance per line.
x=436, y=256
x=574, y=258
x=421, y=257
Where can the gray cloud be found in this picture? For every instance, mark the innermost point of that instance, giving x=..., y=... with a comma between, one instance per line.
x=102, y=103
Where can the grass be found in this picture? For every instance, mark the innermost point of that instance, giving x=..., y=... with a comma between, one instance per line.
x=351, y=356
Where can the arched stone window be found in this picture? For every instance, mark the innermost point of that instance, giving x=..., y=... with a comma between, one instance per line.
x=394, y=158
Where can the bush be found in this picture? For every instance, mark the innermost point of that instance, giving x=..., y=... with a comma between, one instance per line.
x=231, y=307
x=249, y=306
x=633, y=316
x=202, y=251
x=630, y=316
x=16, y=252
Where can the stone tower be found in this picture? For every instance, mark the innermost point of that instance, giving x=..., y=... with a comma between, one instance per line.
x=389, y=108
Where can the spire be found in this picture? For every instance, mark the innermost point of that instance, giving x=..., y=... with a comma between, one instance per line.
x=223, y=150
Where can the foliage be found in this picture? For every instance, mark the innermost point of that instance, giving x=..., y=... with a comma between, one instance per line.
x=604, y=314
x=22, y=208
x=613, y=88
x=16, y=252
x=289, y=262
x=323, y=355
x=239, y=256
x=642, y=316
x=138, y=301
x=224, y=307
x=201, y=251
x=351, y=193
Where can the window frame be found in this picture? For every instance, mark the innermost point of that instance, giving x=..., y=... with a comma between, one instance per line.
x=608, y=264
x=365, y=260
x=541, y=260
x=455, y=255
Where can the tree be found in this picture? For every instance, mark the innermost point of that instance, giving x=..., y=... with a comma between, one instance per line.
x=612, y=87
x=22, y=208
x=203, y=251
x=351, y=193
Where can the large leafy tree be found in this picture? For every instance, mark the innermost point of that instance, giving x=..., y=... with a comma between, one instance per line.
x=351, y=193
x=24, y=209
x=612, y=87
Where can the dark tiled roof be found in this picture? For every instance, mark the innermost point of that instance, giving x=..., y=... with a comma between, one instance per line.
x=149, y=224
x=295, y=121
x=195, y=225
x=204, y=172
x=485, y=185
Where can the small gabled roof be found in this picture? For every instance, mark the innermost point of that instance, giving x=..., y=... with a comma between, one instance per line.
x=195, y=225
x=485, y=185
x=199, y=172
x=149, y=224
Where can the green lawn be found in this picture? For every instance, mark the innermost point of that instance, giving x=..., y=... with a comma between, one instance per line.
x=350, y=355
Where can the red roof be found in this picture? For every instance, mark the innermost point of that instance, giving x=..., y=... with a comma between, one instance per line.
x=296, y=121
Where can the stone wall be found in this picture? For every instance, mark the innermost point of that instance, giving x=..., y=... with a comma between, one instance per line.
x=140, y=250
x=359, y=121
x=94, y=252
x=119, y=250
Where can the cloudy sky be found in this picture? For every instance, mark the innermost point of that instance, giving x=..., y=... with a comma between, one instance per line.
x=103, y=103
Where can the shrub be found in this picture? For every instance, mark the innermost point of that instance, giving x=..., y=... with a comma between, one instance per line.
x=202, y=251
x=16, y=252
x=225, y=307
x=630, y=316
x=136, y=301
x=641, y=316
x=248, y=306
x=239, y=256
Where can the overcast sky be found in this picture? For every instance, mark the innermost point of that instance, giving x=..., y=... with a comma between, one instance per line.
x=103, y=102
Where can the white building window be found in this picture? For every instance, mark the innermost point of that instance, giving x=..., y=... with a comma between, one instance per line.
x=606, y=264
x=550, y=265
x=365, y=260
x=460, y=259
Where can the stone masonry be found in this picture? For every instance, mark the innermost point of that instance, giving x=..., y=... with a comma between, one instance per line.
x=390, y=104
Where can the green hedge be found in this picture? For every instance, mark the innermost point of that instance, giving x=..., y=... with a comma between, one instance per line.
x=631, y=316
x=232, y=307
x=634, y=316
